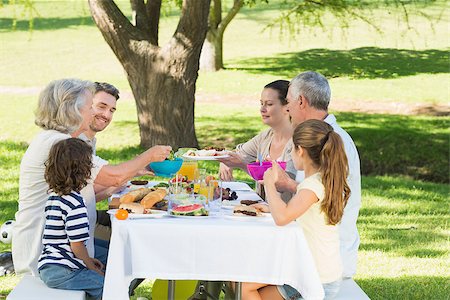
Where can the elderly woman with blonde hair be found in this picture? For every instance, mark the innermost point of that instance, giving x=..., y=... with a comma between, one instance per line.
x=64, y=110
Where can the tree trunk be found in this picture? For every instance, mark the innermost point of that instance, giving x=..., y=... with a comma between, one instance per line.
x=165, y=104
x=211, y=58
x=162, y=78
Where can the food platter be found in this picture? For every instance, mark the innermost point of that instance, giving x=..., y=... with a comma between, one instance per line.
x=262, y=217
x=152, y=215
x=228, y=204
x=187, y=217
x=214, y=157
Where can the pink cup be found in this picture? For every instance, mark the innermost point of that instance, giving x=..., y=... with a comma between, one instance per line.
x=257, y=171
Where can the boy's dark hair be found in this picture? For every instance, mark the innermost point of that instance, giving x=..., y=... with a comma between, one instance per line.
x=68, y=166
x=281, y=86
x=107, y=88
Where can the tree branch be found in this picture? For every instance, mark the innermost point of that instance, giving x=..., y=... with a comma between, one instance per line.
x=192, y=27
x=153, y=12
x=230, y=15
x=215, y=14
x=114, y=26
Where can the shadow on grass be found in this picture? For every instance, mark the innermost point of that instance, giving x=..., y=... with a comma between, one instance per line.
x=226, y=131
x=406, y=287
x=6, y=24
x=400, y=145
x=366, y=62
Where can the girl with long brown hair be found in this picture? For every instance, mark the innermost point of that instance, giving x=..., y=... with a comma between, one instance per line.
x=317, y=206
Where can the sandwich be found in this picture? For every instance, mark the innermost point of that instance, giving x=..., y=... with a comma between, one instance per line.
x=249, y=202
x=133, y=208
x=244, y=210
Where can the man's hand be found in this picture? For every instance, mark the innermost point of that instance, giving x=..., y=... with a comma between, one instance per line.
x=143, y=172
x=159, y=153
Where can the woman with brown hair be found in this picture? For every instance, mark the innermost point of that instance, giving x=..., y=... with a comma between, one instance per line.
x=317, y=206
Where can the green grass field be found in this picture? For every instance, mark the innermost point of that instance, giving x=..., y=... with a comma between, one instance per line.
x=403, y=221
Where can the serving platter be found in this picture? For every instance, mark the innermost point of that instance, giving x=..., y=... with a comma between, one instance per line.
x=153, y=214
x=216, y=157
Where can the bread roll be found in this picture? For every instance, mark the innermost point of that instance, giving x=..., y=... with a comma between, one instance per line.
x=134, y=208
x=115, y=202
x=151, y=198
x=135, y=195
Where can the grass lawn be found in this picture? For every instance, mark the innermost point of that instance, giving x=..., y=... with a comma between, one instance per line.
x=403, y=221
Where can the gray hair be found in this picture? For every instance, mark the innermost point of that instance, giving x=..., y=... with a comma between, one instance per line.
x=60, y=102
x=314, y=87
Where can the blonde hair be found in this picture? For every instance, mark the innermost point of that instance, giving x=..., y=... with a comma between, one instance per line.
x=326, y=150
x=60, y=102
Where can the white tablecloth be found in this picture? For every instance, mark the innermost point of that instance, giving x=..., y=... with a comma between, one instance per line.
x=211, y=248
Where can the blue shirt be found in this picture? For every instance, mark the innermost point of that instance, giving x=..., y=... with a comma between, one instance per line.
x=66, y=221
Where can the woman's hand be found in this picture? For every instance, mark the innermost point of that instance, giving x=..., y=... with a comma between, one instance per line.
x=159, y=152
x=225, y=172
x=233, y=161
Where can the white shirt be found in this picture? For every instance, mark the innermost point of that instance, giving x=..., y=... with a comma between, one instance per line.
x=348, y=231
x=88, y=194
x=30, y=217
x=92, y=143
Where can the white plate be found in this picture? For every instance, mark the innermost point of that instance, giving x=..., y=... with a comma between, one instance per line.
x=263, y=217
x=154, y=214
x=237, y=186
x=248, y=195
x=228, y=204
x=188, y=217
x=205, y=157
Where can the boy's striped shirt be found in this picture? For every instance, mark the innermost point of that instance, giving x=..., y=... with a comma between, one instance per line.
x=66, y=221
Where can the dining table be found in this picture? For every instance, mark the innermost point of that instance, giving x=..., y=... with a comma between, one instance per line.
x=221, y=247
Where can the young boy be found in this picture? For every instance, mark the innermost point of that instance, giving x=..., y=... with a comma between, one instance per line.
x=64, y=262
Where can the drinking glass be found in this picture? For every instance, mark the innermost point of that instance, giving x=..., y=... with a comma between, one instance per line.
x=189, y=169
x=215, y=196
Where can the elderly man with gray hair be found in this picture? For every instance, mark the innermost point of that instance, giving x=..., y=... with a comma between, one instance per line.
x=308, y=98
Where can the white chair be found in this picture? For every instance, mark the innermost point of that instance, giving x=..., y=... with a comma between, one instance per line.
x=32, y=288
x=350, y=290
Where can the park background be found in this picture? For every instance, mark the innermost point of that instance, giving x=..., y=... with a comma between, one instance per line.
x=389, y=91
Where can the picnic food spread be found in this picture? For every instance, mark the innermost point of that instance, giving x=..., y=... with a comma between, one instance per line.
x=207, y=151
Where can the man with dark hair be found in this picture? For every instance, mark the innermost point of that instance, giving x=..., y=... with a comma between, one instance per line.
x=104, y=105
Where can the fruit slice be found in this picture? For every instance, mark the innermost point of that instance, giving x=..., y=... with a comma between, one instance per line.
x=189, y=210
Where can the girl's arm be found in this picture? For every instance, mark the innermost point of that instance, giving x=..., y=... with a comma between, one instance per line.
x=283, y=213
x=80, y=252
